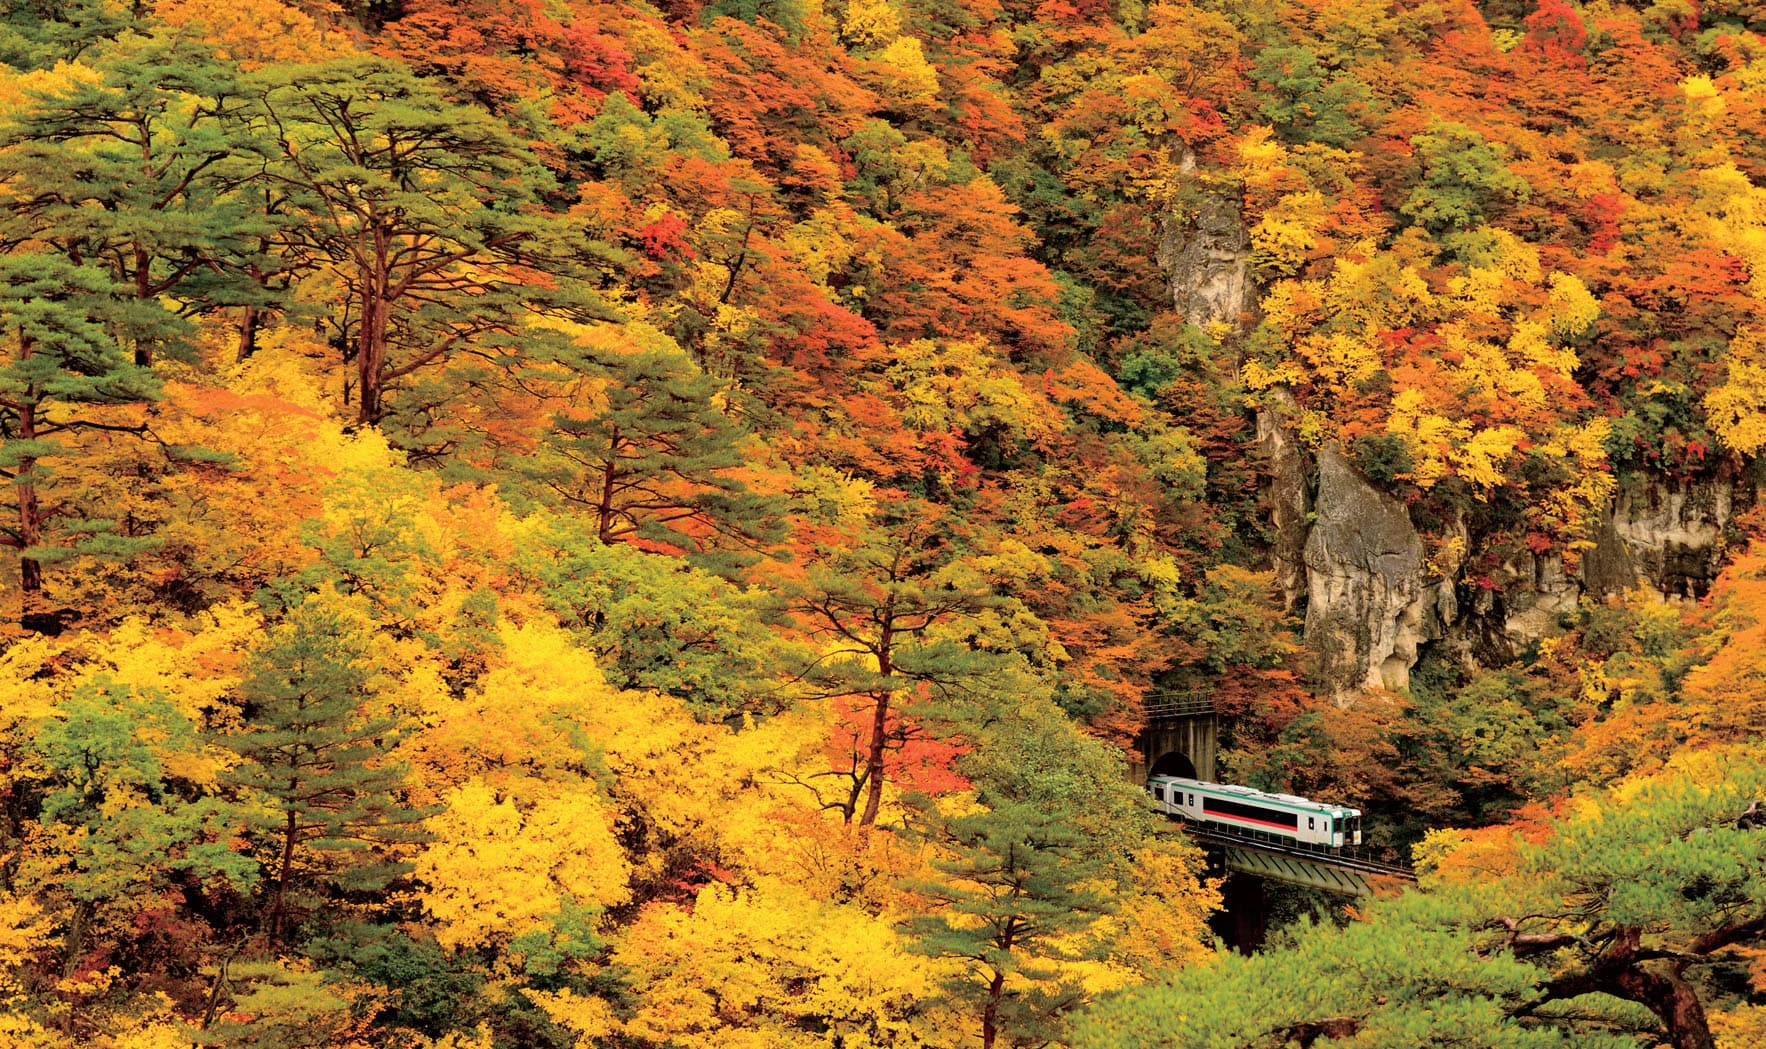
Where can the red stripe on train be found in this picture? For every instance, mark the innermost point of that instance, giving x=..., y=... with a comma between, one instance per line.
x=1246, y=819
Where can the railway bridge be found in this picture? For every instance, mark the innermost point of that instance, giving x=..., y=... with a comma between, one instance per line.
x=1182, y=738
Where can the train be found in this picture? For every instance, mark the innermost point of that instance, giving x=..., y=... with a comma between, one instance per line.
x=1254, y=813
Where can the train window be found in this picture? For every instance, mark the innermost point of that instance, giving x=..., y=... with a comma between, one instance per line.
x=1159, y=792
x=1192, y=799
x=1311, y=823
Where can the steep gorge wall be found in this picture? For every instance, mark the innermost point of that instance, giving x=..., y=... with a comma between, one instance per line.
x=1351, y=554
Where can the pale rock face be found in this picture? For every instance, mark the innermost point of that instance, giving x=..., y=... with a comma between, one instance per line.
x=1207, y=261
x=1289, y=501
x=1672, y=532
x=1533, y=611
x=1368, y=604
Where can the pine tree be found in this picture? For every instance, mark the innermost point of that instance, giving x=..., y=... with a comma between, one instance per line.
x=58, y=322
x=656, y=458
x=889, y=609
x=316, y=746
x=1028, y=871
x=429, y=211
x=144, y=172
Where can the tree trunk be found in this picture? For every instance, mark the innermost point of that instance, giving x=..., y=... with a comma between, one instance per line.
x=73, y=949
x=604, y=506
x=33, y=616
x=991, y=1011
x=143, y=293
x=879, y=734
x=248, y=333
x=370, y=357
x=277, y=901
x=1674, y=1002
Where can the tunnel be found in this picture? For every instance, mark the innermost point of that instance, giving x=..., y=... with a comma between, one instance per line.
x=1174, y=763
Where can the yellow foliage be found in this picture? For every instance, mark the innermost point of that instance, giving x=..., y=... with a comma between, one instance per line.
x=869, y=23
x=1259, y=376
x=1733, y=214
x=255, y=32
x=196, y=668
x=1285, y=235
x=26, y=694
x=947, y=384
x=1737, y=408
x=1262, y=158
x=1163, y=925
x=1572, y=307
x=480, y=1037
x=1743, y=1027
x=24, y=930
x=157, y=1027
x=16, y=86
x=1427, y=436
x=527, y=716
x=1480, y=459
x=590, y=1019
x=820, y=243
x=764, y=967
x=901, y=73
x=1342, y=358
x=1528, y=347
x=502, y=862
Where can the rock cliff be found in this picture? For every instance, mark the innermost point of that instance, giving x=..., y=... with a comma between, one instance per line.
x=1369, y=604
x=1351, y=555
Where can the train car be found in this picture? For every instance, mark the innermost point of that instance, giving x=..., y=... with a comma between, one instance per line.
x=1241, y=810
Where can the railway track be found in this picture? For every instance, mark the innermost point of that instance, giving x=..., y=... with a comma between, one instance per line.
x=1344, y=860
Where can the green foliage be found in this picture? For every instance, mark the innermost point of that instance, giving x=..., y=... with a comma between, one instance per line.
x=425, y=990
x=36, y=34
x=1028, y=871
x=1465, y=179
x=659, y=625
x=1309, y=103
x=316, y=747
x=1382, y=457
x=656, y=460
x=625, y=141
x=123, y=823
x=1233, y=618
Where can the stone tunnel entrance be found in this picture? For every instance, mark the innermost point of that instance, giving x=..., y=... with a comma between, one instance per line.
x=1176, y=746
x=1174, y=763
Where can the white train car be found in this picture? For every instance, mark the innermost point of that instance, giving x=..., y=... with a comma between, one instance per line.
x=1241, y=810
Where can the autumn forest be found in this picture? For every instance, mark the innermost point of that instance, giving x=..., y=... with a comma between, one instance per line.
x=665, y=524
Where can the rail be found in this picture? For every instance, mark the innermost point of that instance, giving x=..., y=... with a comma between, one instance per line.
x=1346, y=860
x=1179, y=705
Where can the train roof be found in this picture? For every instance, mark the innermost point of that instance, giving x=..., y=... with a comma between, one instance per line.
x=1234, y=790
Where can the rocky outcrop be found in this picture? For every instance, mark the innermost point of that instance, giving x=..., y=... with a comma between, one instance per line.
x=1671, y=533
x=1351, y=554
x=1369, y=605
x=1289, y=499
x=1207, y=260
x=1373, y=602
